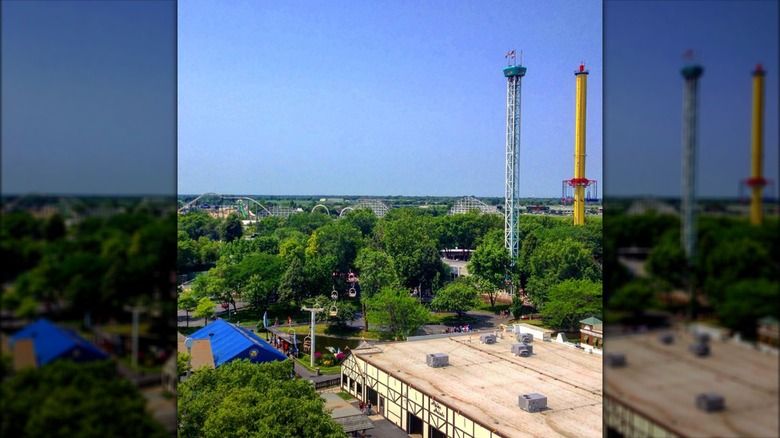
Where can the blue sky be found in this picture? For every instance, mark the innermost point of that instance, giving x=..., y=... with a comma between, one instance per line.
x=88, y=97
x=643, y=47
x=381, y=98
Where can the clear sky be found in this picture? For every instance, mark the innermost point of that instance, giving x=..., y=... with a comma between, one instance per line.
x=643, y=47
x=381, y=98
x=89, y=97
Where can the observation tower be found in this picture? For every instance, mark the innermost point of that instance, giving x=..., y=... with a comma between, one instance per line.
x=514, y=75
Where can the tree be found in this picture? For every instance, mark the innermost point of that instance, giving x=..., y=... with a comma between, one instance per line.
x=66, y=399
x=375, y=272
x=491, y=263
x=558, y=260
x=242, y=399
x=458, y=296
x=746, y=302
x=667, y=260
x=570, y=301
x=411, y=242
x=231, y=229
x=634, y=296
x=293, y=283
x=345, y=311
x=54, y=228
x=188, y=303
x=205, y=309
x=397, y=313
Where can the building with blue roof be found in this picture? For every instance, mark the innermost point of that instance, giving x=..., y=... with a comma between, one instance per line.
x=230, y=342
x=42, y=342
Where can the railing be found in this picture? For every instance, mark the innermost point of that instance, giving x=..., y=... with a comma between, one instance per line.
x=327, y=383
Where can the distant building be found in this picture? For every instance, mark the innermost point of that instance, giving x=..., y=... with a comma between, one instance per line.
x=225, y=342
x=592, y=332
x=42, y=342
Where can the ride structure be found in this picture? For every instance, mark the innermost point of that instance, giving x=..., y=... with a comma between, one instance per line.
x=579, y=183
x=514, y=74
x=757, y=182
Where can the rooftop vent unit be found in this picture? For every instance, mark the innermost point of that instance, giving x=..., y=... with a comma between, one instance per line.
x=700, y=349
x=710, y=402
x=486, y=338
x=525, y=338
x=521, y=350
x=616, y=360
x=702, y=337
x=666, y=338
x=437, y=360
x=534, y=402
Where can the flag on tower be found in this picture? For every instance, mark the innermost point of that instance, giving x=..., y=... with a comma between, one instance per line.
x=265, y=319
x=510, y=53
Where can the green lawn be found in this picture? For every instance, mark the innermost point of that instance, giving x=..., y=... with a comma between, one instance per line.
x=485, y=306
x=305, y=359
x=449, y=318
x=345, y=396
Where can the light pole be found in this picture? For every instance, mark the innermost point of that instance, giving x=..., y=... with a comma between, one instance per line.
x=314, y=311
x=134, y=351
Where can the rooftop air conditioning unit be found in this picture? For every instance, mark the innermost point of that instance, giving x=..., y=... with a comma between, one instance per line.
x=437, y=360
x=710, y=402
x=486, y=338
x=526, y=338
x=666, y=338
x=616, y=360
x=521, y=350
x=534, y=402
x=700, y=349
x=702, y=337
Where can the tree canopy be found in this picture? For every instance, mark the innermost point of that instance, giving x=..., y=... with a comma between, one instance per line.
x=242, y=399
x=67, y=399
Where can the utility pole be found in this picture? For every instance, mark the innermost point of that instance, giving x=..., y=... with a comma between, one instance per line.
x=313, y=311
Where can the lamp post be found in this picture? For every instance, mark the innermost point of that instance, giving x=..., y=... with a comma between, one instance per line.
x=313, y=311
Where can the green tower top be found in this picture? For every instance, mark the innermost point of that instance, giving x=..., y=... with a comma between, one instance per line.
x=692, y=71
x=514, y=70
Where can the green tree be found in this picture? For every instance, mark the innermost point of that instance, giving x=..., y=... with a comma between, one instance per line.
x=187, y=302
x=411, y=242
x=231, y=229
x=746, y=302
x=558, y=260
x=54, y=228
x=242, y=399
x=635, y=296
x=375, y=272
x=458, y=296
x=293, y=283
x=66, y=399
x=395, y=312
x=571, y=301
x=205, y=309
x=491, y=263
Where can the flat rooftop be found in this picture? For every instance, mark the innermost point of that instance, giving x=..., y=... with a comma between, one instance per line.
x=662, y=381
x=484, y=381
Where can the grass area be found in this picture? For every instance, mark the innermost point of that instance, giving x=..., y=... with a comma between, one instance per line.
x=345, y=396
x=126, y=329
x=348, y=332
x=305, y=359
x=141, y=368
x=485, y=306
x=450, y=318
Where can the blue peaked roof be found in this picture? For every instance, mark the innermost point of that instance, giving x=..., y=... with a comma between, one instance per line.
x=51, y=342
x=231, y=342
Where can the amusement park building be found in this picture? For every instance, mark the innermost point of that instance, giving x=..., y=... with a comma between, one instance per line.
x=478, y=391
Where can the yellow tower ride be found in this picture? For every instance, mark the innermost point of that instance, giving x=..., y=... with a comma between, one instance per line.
x=580, y=182
x=757, y=181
